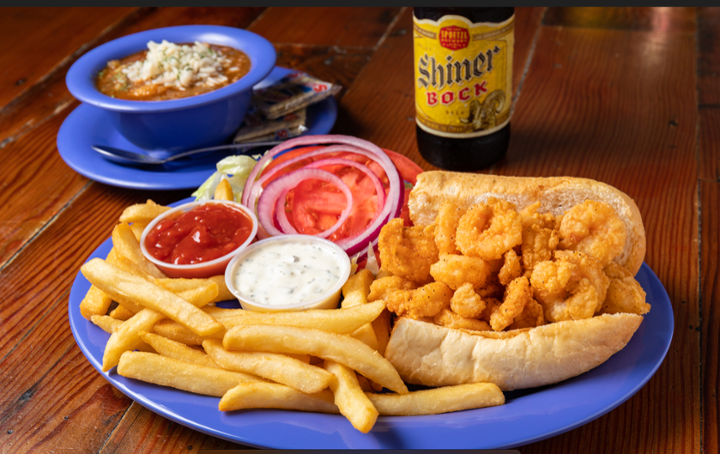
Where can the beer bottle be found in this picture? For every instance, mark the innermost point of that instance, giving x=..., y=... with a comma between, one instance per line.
x=463, y=84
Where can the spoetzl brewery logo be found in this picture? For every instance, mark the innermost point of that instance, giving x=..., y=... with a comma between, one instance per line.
x=463, y=76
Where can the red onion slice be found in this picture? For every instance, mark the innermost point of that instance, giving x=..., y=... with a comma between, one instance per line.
x=281, y=215
x=269, y=198
x=391, y=209
x=257, y=187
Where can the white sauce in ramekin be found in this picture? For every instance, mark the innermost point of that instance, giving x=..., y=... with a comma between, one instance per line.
x=288, y=272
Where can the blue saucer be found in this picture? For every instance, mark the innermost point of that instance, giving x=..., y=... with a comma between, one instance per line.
x=88, y=125
x=528, y=415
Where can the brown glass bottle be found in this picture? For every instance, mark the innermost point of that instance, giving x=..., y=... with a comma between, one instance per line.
x=487, y=143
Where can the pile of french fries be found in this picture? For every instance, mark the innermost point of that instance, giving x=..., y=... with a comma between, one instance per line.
x=169, y=332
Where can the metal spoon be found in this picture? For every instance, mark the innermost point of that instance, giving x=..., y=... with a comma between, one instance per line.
x=130, y=157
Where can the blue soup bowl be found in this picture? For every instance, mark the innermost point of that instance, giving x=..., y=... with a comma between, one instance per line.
x=178, y=124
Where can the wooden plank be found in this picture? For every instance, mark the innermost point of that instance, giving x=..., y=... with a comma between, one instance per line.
x=62, y=402
x=710, y=290
x=665, y=20
x=32, y=55
x=323, y=26
x=708, y=69
x=329, y=63
x=36, y=184
x=527, y=23
x=384, y=90
x=644, y=143
x=50, y=96
x=143, y=431
x=37, y=349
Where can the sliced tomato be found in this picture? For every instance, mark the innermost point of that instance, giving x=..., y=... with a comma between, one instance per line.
x=407, y=168
x=314, y=206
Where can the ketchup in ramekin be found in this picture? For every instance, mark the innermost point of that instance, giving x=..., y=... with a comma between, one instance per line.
x=198, y=239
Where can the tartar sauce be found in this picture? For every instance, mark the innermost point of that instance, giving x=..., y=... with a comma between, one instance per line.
x=288, y=272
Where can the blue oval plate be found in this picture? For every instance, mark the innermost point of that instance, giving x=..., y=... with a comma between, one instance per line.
x=87, y=126
x=528, y=415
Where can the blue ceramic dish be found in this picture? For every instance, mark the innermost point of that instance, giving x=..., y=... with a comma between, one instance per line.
x=178, y=124
x=529, y=415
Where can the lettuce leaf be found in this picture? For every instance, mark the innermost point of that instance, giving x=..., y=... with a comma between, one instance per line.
x=235, y=169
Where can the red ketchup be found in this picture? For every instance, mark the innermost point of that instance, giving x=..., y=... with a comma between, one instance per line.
x=200, y=235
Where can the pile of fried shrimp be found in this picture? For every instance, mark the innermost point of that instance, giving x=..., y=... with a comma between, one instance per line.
x=492, y=267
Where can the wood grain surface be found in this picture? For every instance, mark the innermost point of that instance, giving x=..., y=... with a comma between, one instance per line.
x=629, y=96
x=710, y=288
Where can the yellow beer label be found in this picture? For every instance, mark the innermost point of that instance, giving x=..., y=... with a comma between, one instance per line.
x=463, y=76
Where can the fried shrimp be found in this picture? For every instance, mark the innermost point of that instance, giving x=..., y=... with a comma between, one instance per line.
x=456, y=270
x=491, y=306
x=448, y=318
x=380, y=288
x=446, y=225
x=511, y=268
x=624, y=293
x=572, y=287
x=517, y=295
x=408, y=251
x=530, y=317
x=466, y=303
x=488, y=230
x=539, y=237
x=595, y=229
x=426, y=301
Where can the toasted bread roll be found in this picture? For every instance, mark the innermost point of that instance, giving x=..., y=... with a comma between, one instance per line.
x=432, y=355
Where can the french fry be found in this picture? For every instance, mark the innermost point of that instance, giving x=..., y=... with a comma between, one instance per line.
x=364, y=384
x=350, y=398
x=106, y=322
x=122, y=313
x=161, y=370
x=438, y=400
x=355, y=292
x=123, y=286
x=96, y=302
x=366, y=335
x=180, y=285
x=341, y=321
x=382, y=328
x=176, y=350
x=358, y=282
x=127, y=245
x=138, y=228
x=109, y=325
x=224, y=293
x=278, y=368
x=127, y=265
x=343, y=349
x=126, y=337
x=175, y=331
x=142, y=212
x=223, y=191
x=272, y=395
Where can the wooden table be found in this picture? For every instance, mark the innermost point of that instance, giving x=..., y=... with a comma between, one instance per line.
x=629, y=96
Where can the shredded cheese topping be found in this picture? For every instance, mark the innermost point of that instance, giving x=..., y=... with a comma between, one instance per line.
x=181, y=67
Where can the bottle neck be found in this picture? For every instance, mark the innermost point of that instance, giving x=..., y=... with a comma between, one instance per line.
x=475, y=15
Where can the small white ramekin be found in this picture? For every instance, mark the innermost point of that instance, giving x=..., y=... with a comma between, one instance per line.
x=329, y=300
x=205, y=269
